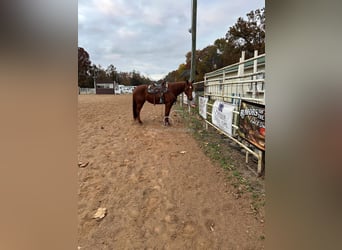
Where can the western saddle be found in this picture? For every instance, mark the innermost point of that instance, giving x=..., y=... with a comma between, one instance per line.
x=158, y=89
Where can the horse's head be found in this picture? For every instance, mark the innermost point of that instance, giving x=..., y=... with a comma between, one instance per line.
x=188, y=89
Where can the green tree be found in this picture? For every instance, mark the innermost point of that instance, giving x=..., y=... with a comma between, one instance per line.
x=135, y=79
x=83, y=67
x=101, y=74
x=171, y=76
x=249, y=35
x=111, y=73
x=124, y=78
x=227, y=53
x=207, y=60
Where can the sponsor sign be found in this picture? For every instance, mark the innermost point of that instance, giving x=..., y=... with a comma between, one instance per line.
x=185, y=98
x=252, y=123
x=202, y=106
x=222, y=116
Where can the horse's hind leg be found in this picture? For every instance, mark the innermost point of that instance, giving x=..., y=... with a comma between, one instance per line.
x=139, y=107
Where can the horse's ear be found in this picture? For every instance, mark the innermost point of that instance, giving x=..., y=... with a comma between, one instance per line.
x=187, y=82
x=192, y=81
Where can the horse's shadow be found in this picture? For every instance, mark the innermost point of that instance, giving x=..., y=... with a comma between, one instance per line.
x=174, y=120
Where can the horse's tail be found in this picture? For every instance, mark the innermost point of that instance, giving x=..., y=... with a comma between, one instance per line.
x=135, y=115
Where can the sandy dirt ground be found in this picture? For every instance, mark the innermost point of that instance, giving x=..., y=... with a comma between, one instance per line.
x=159, y=189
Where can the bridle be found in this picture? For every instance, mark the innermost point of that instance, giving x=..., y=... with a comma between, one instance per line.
x=187, y=87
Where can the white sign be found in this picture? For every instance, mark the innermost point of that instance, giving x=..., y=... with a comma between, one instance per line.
x=185, y=98
x=202, y=106
x=222, y=116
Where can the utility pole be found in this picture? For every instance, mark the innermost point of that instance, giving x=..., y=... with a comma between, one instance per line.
x=193, y=34
x=94, y=77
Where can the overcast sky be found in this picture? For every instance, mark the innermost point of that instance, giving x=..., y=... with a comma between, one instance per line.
x=151, y=36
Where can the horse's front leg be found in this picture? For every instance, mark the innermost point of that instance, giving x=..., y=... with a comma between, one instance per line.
x=167, y=113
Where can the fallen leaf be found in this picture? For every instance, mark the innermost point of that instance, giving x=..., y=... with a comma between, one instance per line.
x=100, y=213
x=83, y=164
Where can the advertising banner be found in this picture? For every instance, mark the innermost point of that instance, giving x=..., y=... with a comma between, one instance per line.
x=222, y=116
x=202, y=106
x=185, y=98
x=252, y=123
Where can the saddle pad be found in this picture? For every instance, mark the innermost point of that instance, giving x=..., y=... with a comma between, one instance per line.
x=151, y=89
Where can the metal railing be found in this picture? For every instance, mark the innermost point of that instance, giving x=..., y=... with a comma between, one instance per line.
x=87, y=91
x=244, y=80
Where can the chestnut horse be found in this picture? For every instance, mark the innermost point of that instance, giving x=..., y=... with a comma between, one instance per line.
x=140, y=95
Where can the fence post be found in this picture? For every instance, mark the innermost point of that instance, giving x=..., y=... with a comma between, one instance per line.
x=255, y=69
x=241, y=68
x=205, y=94
x=241, y=71
x=235, y=101
x=259, y=162
x=223, y=86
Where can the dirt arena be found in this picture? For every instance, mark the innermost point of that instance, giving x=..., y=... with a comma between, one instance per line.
x=159, y=189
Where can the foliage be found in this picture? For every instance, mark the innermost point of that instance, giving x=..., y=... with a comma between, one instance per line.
x=245, y=35
x=83, y=66
x=180, y=74
x=137, y=79
x=88, y=74
x=249, y=35
x=111, y=73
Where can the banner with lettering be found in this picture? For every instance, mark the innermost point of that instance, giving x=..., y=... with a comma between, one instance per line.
x=222, y=116
x=202, y=106
x=252, y=123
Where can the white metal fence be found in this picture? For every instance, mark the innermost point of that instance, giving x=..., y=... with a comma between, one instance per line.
x=87, y=91
x=244, y=80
